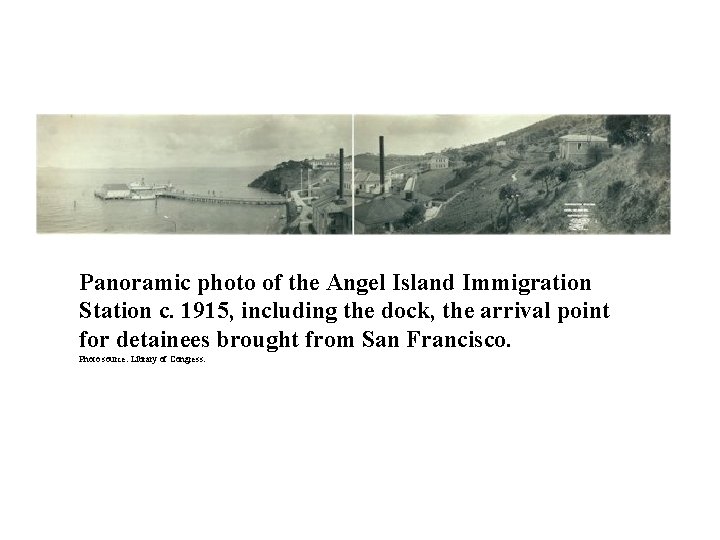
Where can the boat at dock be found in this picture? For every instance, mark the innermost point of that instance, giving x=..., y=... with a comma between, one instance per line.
x=134, y=191
x=140, y=191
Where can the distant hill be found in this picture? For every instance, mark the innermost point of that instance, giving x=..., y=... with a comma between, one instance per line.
x=541, y=136
x=284, y=176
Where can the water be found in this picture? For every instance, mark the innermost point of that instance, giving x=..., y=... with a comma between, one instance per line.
x=66, y=202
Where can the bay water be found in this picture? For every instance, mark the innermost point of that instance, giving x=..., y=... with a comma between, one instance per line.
x=66, y=202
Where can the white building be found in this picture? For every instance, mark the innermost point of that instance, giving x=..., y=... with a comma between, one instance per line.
x=438, y=161
x=114, y=191
x=575, y=147
x=330, y=161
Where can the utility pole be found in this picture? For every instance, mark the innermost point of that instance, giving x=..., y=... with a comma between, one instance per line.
x=587, y=127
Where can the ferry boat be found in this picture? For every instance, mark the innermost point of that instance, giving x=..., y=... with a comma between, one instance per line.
x=134, y=191
x=142, y=196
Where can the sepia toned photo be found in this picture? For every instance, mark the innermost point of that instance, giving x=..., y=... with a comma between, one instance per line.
x=458, y=174
x=244, y=174
x=367, y=174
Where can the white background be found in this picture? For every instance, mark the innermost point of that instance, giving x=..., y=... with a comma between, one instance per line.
x=595, y=429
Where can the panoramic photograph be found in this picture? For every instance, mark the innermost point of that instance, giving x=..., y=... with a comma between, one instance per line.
x=512, y=174
x=400, y=174
x=243, y=174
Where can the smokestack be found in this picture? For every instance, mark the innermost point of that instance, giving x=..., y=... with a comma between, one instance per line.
x=342, y=171
x=382, y=164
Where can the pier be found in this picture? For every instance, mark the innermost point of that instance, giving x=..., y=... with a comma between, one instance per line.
x=194, y=197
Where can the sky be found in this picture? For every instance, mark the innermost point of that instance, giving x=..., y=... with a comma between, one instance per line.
x=419, y=134
x=146, y=141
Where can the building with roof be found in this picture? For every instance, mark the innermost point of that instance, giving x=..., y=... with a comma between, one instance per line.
x=577, y=148
x=367, y=183
x=113, y=191
x=380, y=215
x=330, y=161
x=438, y=161
x=410, y=183
x=328, y=215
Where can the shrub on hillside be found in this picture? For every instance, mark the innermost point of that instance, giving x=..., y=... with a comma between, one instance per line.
x=627, y=129
x=655, y=160
x=596, y=154
x=562, y=171
x=414, y=214
x=508, y=194
x=544, y=174
x=460, y=176
x=614, y=189
x=473, y=158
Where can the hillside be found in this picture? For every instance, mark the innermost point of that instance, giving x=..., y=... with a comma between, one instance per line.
x=286, y=176
x=371, y=162
x=498, y=191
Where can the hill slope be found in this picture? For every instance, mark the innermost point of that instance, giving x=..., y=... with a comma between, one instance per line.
x=284, y=176
x=626, y=193
x=371, y=162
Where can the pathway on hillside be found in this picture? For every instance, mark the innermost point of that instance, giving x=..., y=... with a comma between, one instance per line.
x=581, y=187
x=435, y=211
x=302, y=221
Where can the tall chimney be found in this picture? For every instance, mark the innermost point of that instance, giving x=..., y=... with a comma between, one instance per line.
x=342, y=171
x=382, y=164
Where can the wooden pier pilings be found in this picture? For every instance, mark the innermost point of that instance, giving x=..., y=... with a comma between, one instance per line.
x=194, y=197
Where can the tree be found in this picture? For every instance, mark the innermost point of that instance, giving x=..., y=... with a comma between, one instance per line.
x=562, y=171
x=452, y=153
x=628, y=129
x=544, y=174
x=414, y=214
x=474, y=157
x=508, y=194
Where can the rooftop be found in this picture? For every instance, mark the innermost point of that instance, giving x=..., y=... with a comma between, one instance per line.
x=331, y=206
x=381, y=210
x=327, y=200
x=366, y=177
x=576, y=137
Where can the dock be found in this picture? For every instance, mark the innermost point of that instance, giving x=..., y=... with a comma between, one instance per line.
x=194, y=197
